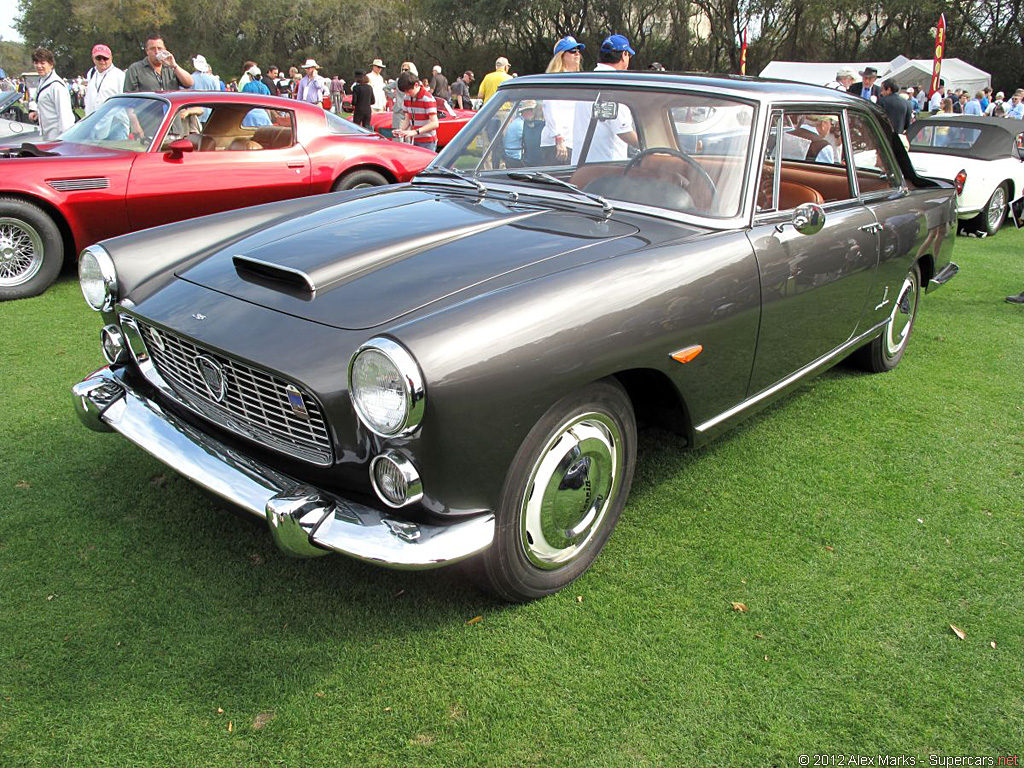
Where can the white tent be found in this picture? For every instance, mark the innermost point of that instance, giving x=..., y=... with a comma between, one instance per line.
x=917, y=72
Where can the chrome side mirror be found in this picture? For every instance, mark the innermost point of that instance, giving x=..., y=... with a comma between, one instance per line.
x=808, y=219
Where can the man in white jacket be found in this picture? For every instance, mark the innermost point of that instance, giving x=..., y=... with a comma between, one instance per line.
x=52, y=108
x=103, y=80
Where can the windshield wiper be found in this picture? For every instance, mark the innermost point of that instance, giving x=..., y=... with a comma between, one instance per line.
x=547, y=178
x=450, y=173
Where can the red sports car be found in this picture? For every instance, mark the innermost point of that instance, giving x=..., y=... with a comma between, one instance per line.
x=145, y=159
x=451, y=121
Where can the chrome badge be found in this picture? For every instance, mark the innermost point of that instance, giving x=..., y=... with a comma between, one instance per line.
x=158, y=340
x=213, y=376
x=296, y=402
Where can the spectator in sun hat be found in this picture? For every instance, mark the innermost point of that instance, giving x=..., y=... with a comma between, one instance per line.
x=103, y=80
x=611, y=139
x=844, y=79
x=556, y=138
x=866, y=88
x=203, y=78
x=311, y=88
x=376, y=81
x=493, y=79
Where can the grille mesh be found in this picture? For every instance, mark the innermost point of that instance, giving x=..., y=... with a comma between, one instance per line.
x=256, y=404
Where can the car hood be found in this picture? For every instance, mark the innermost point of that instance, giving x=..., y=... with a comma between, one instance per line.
x=371, y=260
x=63, y=149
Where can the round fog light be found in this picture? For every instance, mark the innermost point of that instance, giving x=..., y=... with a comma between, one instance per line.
x=395, y=479
x=112, y=342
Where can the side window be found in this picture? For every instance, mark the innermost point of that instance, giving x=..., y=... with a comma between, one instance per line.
x=813, y=164
x=874, y=167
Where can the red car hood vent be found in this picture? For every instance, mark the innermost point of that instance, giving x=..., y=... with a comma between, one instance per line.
x=366, y=262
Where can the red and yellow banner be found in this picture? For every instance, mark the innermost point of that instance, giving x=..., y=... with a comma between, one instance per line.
x=940, y=49
x=743, y=53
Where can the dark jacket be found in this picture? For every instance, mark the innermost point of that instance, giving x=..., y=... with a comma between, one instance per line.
x=899, y=111
x=362, y=99
x=857, y=88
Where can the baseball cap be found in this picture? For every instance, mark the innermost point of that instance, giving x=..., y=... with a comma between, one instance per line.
x=253, y=71
x=568, y=43
x=617, y=43
x=101, y=50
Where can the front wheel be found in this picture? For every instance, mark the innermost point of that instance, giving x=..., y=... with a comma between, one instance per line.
x=31, y=249
x=563, y=494
x=885, y=352
x=994, y=214
x=359, y=180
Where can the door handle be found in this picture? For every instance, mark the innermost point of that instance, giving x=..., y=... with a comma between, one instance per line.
x=872, y=228
x=296, y=164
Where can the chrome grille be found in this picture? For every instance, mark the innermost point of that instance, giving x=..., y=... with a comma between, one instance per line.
x=256, y=404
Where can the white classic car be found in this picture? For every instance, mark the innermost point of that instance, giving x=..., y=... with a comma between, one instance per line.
x=990, y=153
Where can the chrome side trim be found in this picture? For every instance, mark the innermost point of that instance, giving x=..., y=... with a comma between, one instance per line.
x=778, y=387
x=304, y=521
x=76, y=185
x=946, y=274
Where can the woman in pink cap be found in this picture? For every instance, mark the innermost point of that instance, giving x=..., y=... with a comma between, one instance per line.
x=103, y=80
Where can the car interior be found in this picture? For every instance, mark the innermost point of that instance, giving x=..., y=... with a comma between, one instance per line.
x=232, y=128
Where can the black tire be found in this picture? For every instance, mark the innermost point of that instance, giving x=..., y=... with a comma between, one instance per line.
x=359, y=180
x=993, y=214
x=583, y=445
x=31, y=249
x=885, y=352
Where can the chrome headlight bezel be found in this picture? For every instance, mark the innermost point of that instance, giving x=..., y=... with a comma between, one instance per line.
x=413, y=387
x=107, y=277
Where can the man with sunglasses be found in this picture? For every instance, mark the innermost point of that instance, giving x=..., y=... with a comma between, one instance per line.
x=103, y=80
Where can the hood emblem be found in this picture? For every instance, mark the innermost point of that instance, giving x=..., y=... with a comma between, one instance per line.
x=158, y=340
x=296, y=402
x=213, y=376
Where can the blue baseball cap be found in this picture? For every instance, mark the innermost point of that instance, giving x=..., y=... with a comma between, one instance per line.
x=568, y=43
x=617, y=43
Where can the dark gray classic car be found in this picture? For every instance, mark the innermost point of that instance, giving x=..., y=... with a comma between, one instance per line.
x=455, y=368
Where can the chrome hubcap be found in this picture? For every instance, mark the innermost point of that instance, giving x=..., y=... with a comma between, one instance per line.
x=995, y=208
x=21, y=252
x=571, y=489
x=901, y=318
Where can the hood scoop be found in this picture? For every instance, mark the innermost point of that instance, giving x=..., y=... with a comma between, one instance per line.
x=317, y=271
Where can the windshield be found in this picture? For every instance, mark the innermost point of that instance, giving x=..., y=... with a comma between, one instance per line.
x=120, y=123
x=669, y=149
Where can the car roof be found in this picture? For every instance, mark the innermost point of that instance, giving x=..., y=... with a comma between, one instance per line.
x=225, y=97
x=995, y=141
x=761, y=89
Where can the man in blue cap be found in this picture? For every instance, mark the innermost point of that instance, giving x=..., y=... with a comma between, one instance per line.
x=610, y=139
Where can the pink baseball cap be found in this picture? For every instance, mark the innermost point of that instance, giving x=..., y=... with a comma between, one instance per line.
x=101, y=50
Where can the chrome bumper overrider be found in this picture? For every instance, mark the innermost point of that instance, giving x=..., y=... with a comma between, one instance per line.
x=304, y=521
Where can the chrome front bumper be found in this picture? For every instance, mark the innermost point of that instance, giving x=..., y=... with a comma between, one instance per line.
x=304, y=521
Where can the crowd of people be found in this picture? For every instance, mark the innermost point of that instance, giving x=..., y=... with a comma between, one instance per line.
x=56, y=99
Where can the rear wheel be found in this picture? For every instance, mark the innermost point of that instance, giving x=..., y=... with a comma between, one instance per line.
x=31, y=249
x=992, y=217
x=885, y=352
x=563, y=494
x=359, y=180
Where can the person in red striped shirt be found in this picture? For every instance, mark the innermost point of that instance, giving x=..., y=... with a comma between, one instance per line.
x=420, y=121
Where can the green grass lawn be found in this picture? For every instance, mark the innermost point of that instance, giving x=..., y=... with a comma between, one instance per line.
x=141, y=624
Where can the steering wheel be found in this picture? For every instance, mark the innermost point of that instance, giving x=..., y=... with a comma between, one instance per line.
x=701, y=173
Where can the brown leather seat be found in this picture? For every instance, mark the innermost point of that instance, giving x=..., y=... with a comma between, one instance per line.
x=242, y=144
x=792, y=195
x=202, y=143
x=273, y=137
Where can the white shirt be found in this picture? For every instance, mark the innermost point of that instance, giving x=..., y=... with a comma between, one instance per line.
x=558, y=121
x=101, y=86
x=605, y=146
x=53, y=106
x=935, y=103
x=380, y=101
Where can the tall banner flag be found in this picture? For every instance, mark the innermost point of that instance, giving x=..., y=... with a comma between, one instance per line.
x=743, y=53
x=940, y=49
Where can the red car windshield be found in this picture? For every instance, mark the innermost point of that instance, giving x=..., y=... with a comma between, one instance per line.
x=121, y=123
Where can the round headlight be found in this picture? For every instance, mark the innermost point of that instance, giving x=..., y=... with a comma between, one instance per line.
x=395, y=479
x=98, y=278
x=386, y=387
